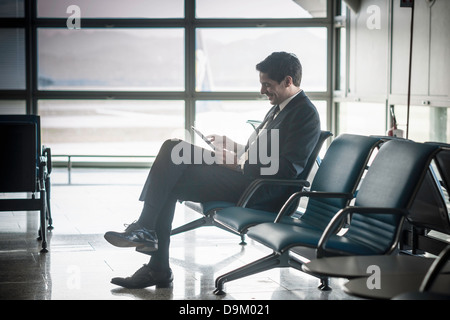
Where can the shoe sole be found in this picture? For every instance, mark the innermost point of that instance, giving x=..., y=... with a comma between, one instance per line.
x=123, y=283
x=120, y=242
x=147, y=249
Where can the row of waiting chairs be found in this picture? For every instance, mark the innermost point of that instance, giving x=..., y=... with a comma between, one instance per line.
x=399, y=180
x=209, y=209
x=405, y=181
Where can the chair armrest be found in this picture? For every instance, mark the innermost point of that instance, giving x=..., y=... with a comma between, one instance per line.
x=311, y=194
x=47, y=153
x=256, y=184
x=339, y=217
x=254, y=123
x=435, y=269
x=42, y=173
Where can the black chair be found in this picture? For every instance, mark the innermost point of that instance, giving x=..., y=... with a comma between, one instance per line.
x=443, y=166
x=382, y=201
x=432, y=283
x=339, y=174
x=425, y=291
x=208, y=209
x=24, y=169
x=429, y=211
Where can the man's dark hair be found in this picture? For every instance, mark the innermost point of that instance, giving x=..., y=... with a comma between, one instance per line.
x=281, y=64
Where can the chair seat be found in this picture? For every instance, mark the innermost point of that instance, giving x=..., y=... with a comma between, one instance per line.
x=240, y=219
x=281, y=237
x=206, y=207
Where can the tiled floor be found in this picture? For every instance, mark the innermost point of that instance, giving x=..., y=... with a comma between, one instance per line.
x=81, y=263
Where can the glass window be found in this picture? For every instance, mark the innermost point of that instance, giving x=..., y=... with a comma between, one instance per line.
x=321, y=107
x=110, y=127
x=113, y=8
x=229, y=118
x=267, y=9
x=233, y=118
x=11, y=9
x=12, y=58
x=425, y=123
x=226, y=57
x=111, y=59
x=342, y=60
x=362, y=118
x=12, y=107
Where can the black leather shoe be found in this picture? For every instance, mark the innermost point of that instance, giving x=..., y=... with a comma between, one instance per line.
x=146, y=249
x=145, y=277
x=134, y=236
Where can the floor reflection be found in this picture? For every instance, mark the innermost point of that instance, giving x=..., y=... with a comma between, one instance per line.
x=81, y=263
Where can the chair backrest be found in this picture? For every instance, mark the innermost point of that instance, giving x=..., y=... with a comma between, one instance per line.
x=274, y=204
x=392, y=181
x=324, y=135
x=20, y=143
x=443, y=164
x=429, y=209
x=340, y=171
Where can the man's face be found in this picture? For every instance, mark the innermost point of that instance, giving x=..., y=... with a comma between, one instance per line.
x=276, y=92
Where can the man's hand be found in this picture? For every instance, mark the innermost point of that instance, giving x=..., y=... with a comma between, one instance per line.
x=222, y=142
x=227, y=159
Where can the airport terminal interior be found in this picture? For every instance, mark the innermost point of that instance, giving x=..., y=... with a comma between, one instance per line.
x=107, y=82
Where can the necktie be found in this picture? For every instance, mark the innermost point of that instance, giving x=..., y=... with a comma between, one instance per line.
x=271, y=117
x=262, y=126
x=274, y=113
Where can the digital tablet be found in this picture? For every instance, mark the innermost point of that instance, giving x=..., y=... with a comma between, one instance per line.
x=204, y=138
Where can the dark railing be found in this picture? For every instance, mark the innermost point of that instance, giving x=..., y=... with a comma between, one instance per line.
x=100, y=161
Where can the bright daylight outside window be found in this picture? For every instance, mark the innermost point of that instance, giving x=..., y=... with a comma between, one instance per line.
x=226, y=57
x=268, y=9
x=111, y=59
x=146, y=62
x=110, y=127
x=226, y=60
x=113, y=8
x=353, y=118
x=425, y=123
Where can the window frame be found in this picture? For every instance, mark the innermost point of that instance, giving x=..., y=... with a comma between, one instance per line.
x=31, y=23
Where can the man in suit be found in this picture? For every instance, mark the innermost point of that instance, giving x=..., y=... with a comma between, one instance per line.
x=293, y=121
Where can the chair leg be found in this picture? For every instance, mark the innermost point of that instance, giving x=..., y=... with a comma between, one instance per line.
x=49, y=213
x=263, y=264
x=243, y=243
x=43, y=224
x=324, y=284
x=324, y=281
x=203, y=221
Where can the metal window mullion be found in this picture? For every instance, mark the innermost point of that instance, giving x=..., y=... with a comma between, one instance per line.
x=111, y=23
x=266, y=23
x=189, y=67
x=111, y=95
x=13, y=22
x=30, y=58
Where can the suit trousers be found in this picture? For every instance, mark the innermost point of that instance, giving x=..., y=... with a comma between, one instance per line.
x=170, y=181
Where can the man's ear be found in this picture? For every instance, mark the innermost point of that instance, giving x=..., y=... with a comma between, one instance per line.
x=288, y=81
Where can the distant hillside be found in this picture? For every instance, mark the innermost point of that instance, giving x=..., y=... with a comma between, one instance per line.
x=154, y=59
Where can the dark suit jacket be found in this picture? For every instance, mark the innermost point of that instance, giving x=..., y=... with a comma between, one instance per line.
x=298, y=127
